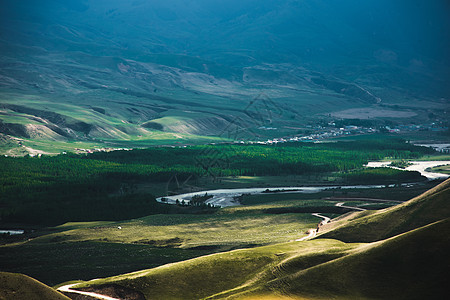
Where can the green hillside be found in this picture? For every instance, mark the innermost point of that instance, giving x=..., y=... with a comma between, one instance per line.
x=427, y=208
x=22, y=287
x=224, y=273
x=410, y=265
x=413, y=265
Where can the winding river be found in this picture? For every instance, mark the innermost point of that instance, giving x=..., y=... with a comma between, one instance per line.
x=12, y=231
x=227, y=197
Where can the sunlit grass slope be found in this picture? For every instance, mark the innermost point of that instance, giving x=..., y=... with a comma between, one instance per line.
x=224, y=231
x=225, y=273
x=431, y=206
x=413, y=265
x=33, y=125
x=22, y=287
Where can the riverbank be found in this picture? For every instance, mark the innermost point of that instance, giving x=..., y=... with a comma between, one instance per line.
x=229, y=197
x=419, y=166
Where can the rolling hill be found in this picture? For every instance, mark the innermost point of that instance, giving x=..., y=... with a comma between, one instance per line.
x=412, y=264
x=18, y=286
x=425, y=209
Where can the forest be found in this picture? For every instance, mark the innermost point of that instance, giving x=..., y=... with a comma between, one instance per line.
x=50, y=190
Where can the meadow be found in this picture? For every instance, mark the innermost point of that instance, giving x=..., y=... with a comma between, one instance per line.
x=352, y=258
x=86, y=250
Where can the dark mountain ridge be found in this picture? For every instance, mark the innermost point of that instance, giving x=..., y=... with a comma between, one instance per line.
x=309, y=57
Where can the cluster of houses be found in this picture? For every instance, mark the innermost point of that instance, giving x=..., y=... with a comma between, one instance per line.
x=332, y=132
x=320, y=135
x=412, y=127
x=81, y=150
x=443, y=148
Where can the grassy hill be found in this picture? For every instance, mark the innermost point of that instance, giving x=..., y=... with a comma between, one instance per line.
x=22, y=287
x=412, y=264
x=409, y=266
x=224, y=273
x=427, y=208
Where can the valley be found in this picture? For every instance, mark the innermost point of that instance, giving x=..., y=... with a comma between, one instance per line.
x=59, y=92
x=156, y=233
x=210, y=149
x=272, y=271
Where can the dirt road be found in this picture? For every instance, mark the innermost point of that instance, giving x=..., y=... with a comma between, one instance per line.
x=68, y=289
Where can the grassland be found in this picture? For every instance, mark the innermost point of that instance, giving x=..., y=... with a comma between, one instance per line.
x=85, y=250
x=427, y=208
x=56, y=262
x=410, y=264
x=224, y=273
x=32, y=125
x=136, y=232
x=98, y=249
x=435, y=157
x=318, y=269
x=218, y=231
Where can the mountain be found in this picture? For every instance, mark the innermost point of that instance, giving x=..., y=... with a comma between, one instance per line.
x=98, y=72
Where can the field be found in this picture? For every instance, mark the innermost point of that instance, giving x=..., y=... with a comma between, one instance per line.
x=149, y=241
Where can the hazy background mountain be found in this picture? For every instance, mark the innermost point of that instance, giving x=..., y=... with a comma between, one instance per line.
x=176, y=71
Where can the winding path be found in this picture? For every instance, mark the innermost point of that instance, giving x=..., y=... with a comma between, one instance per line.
x=313, y=232
x=68, y=289
x=341, y=204
x=325, y=219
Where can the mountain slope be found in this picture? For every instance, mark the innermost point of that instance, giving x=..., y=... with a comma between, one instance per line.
x=413, y=265
x=126, y=64
x=223, y=273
